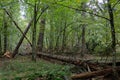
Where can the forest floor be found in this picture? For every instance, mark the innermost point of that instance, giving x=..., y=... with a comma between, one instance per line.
x=22, y=68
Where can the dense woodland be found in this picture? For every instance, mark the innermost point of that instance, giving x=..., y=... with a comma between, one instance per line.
x=82, y=37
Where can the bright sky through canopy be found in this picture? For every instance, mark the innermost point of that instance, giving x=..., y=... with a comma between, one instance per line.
x=100, y=1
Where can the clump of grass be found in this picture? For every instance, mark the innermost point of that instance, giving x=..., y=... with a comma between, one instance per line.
x=19, y=69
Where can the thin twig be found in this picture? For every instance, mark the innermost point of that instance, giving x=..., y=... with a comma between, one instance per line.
x=115, y=4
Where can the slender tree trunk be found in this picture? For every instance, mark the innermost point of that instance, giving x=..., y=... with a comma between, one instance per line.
x=64, y=37
x=57, y=46
x=0, y=45
x=57, y=42
x=5, y=34
x=25, y=32
x=34, y=34
x=51, y=38
x=21, y=39
x=41, y=35
x=113, y=36
x=84, y=50
x=15, y=23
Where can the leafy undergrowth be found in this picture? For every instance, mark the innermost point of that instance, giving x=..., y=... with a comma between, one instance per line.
x=23, y=68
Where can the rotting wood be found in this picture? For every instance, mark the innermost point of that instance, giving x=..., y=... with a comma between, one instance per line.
x=88, y=75
x=95, y=67
x=77, y=61
x=7, y=54
x=71, y=60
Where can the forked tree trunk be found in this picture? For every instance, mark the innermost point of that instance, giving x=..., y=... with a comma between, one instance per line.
x=41, y=35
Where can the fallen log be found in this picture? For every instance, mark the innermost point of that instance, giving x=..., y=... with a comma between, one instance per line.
x=71, y=60
x=88, y=75
x=76, y=61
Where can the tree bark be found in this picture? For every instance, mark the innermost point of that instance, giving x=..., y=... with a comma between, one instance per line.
x=5, y=34
x=41, y=35
x=113, y=35
x=21, y=39
x=64, y=37
x=88, y=75
x=57, y=44
x=34, y=34
x=84, y=49
x=51, y=35
x=15, y=23
x=71, y=60
x=25, y=32
x=0, y=44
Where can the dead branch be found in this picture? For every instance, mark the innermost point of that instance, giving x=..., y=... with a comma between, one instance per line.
x=93, y=74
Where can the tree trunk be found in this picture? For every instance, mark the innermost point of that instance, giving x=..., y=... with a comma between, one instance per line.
x=51, y=35
x=84, y=50
x=25, y=32
x=72, y=60
x=5, y=34
x=113, y=36
x=17, y=26
x=34, y=34
x=57, y=44
x=0, y=44
x=21, y=39
x=41, y=35
x=64, y=37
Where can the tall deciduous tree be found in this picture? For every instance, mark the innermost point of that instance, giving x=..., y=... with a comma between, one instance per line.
x=5, y=33
x=83, y=14
x=41, y=35
x=34, y=33
x=0, y=44
x=113, y=36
